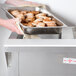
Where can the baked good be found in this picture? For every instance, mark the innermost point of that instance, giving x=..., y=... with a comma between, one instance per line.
x=40, y=14
x=34, y=12
x=29, y=19
x=40, y=24
x=30, y=24
x=23, y=12
x=20, y=16
x=15, y=13
x=35, y=18
x=29, y=15
x=51, y=24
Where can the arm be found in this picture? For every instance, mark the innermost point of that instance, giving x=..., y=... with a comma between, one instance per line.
x=20, y=2
x=10, y=24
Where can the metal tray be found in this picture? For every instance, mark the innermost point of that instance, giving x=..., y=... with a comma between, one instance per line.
x=36, y=30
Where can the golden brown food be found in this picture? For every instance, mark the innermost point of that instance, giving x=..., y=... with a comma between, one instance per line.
x=51, y=24
x=29, y=15
x=23, y=12
x=47, y=18
x=15, y=13
x=34, y=23
x=25, y=24
x=29, y=20
x=34, y=12
x=39, y=20
x=35, y=19
x=20, y=16
x=40, y=24
x=30, y=24
x=40, y=15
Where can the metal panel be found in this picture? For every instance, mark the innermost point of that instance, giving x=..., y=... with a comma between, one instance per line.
x=46, y=62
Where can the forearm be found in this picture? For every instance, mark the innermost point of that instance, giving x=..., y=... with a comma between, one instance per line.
x=20, y=2
x=11, y=1
x=10, y=24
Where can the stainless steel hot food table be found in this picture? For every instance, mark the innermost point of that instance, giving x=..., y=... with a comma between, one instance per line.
x=42, y=55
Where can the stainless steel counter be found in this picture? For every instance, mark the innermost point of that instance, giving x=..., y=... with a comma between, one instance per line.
x=67, y=40
x=4, y=39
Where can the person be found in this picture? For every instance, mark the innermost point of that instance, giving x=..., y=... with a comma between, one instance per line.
x=11, y=23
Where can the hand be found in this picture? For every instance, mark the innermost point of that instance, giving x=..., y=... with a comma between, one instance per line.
x=11, y=25
x=20, y=2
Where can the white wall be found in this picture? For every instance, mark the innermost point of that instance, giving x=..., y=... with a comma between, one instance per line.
x=63, y=9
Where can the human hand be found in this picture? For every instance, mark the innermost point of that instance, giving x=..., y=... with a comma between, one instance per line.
x=11, y=25
x=21, y=2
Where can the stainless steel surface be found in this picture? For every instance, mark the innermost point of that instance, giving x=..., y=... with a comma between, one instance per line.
x=66, y=33
x=66, y=39
x=43, y=61
x=8, y=58
x=41, y=57
x=42, y=36
x=46, y=61
x=36, y=30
